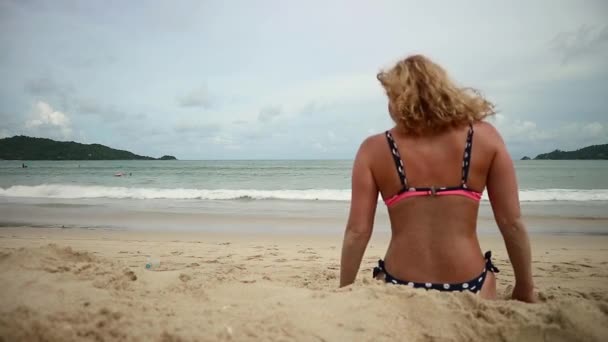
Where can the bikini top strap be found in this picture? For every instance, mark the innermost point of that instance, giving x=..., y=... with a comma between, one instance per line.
x=396, y=158
x=466, y=160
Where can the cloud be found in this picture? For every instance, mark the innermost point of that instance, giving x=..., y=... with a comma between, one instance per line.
x=196, y=128
x=49, y=87
x=46, y=88
x=585, y=40
x=329, y=90
x=197, y=98
x=91, y=61
x=43, y=86
x=87, y=106
x=529, y=138
x=320, y=147
x=10, y=124
x=594, y=129
x=4, y=133
x=227, y=141
x=519, y=130
x=49, y=122
x=268, y=113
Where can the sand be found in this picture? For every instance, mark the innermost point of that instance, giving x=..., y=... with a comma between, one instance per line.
x=91, y=284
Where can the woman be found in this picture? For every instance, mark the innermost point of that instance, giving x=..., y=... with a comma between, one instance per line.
x=431, y=169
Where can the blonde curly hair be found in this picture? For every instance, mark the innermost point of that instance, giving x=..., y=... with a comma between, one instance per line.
x=423, y=100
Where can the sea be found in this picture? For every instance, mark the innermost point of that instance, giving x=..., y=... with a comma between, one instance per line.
x=248, y=193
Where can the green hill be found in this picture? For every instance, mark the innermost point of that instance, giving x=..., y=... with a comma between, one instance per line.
x=28, y=148
x=590, y=152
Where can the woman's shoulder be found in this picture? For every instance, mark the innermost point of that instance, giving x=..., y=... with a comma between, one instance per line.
x=372, y=144
x=487, y=138
x=487, y=131
x=372, y=141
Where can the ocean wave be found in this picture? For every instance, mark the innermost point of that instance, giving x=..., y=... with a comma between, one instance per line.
x=90, y=191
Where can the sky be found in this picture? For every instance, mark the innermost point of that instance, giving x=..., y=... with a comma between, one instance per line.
x=292, y=79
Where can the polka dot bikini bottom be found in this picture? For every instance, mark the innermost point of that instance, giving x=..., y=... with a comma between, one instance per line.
x=473, y=285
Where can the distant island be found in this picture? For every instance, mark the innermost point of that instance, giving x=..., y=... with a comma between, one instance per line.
x=29, y=148
x=594, y=152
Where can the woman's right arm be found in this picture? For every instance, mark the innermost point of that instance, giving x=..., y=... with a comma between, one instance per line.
x=504, y=198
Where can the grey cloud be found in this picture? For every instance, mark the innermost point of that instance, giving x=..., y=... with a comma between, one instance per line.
x=312, y=108
x=197, y=98
x=582, y=41
x=196, y=128
x=45, y=86
x=91, y=61
x=155, y=132
x=269, y=113
x=141, y=132
x=106, y=113
x=10, y=124
x=48, y=88
x=91, y=107
x=139, y=116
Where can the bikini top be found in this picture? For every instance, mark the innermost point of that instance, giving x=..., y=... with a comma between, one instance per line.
x=407, y=192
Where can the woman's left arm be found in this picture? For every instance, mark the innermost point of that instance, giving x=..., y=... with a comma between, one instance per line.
x=364, y=200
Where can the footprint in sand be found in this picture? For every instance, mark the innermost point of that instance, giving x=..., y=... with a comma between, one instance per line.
x=130, y=275
x=307, y=251
x=577, y=264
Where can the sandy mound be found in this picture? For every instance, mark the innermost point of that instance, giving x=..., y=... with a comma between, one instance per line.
x=225, y=292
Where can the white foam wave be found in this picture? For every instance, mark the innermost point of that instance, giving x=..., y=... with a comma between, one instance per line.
x=79, y=191
x=542, y=195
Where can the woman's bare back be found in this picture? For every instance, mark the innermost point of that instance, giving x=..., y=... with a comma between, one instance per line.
x=433, y=237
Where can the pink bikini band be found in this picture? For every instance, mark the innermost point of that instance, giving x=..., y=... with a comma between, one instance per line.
x=407, y=194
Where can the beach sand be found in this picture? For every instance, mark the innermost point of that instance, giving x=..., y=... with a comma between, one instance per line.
x=91, y=284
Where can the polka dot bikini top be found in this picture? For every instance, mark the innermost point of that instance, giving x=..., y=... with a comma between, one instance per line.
x=406, y=192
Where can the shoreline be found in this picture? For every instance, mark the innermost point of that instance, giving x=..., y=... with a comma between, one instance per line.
x=275, y=216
